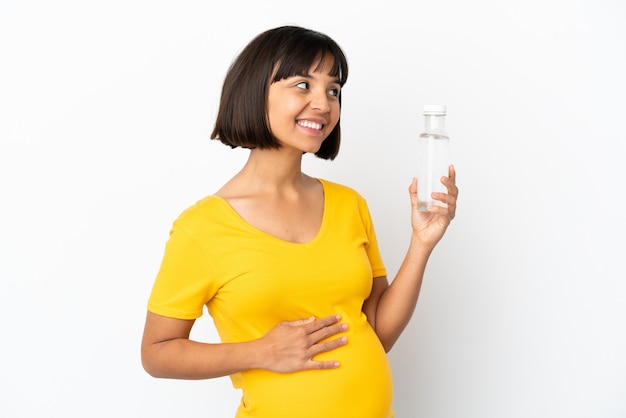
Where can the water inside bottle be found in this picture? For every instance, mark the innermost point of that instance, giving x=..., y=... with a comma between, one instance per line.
x=433, y=162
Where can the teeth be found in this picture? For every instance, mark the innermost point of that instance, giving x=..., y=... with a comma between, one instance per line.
x=309, y=124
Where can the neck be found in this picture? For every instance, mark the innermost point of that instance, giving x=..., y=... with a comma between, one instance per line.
x=273, y=169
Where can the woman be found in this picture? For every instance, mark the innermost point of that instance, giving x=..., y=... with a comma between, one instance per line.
x=287, y=265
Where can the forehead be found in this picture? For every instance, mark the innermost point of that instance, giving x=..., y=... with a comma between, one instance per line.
x=323, y=62
x=325, y=65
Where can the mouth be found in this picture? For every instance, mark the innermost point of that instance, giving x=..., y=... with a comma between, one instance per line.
x=310, y=124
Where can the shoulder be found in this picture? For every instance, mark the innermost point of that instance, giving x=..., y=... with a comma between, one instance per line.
x=203, y=210
x=340, y=189
x=341, y=195
x=345, y=202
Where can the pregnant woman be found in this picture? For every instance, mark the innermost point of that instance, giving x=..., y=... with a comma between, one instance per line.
x=287, y=265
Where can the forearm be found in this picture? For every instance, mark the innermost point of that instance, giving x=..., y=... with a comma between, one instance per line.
x=397, y=303
x=186, y=359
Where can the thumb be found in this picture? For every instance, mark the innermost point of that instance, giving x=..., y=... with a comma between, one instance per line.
x=413, y=192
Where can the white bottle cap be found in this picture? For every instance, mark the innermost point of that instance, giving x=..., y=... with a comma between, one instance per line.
x=434, y=110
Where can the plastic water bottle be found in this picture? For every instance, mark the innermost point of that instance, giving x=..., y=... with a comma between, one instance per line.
x=433, y=156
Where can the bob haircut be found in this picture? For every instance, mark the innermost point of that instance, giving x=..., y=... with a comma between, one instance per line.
x=273, y=55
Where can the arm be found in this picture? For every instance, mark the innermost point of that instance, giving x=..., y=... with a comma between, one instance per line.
x=167, y=351
x=390, y=307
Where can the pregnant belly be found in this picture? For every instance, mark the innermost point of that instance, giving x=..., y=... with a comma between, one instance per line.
x=360, y=387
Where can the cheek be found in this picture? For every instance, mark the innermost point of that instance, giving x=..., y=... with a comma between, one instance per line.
x=335, y=113
x=276, y=115
x=283, y=109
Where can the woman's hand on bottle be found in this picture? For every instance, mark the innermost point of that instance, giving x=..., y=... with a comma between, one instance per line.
x=291, y=345
x=430, y=226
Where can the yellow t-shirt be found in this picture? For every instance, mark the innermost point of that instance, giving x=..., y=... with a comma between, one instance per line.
x=250, y=281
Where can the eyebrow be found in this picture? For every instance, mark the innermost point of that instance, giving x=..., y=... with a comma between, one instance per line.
x=336, y=80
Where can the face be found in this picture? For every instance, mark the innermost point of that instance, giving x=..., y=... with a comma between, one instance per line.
x=303, y=110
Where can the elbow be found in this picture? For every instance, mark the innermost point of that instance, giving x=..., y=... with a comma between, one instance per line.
x=149, y=364
x=386, y=340
x=388, y=337
x=148, y=369
x=153, y=370
x=387, y=346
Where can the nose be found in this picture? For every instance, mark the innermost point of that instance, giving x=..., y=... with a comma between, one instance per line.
x=320, y=101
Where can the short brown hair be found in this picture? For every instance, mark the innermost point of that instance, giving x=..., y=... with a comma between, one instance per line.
x=273, y=55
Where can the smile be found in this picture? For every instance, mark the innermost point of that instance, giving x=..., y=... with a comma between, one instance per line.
x=309, y=124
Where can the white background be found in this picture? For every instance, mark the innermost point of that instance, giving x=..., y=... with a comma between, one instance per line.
x=105, y=113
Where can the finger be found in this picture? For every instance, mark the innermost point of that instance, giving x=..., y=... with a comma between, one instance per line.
x=449, y=210
x=300, y=322
x=452, y=180
x=453, y=190
x=452, y=173
x=413, y=194
x=321, y=323
x=439, y=210
x=324, y=347
x=413, y=186
x=448, y=198
x=322, y=365
x=326, y=332
x=328, y=345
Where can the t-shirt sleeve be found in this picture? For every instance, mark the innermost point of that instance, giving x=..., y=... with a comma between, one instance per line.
x=373, y=252
x=182, y=286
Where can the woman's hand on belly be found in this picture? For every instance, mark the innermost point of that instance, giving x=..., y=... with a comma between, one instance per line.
x=291, y=345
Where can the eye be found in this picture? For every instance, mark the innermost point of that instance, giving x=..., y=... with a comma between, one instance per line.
x=334, y=91
x=303, y=85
